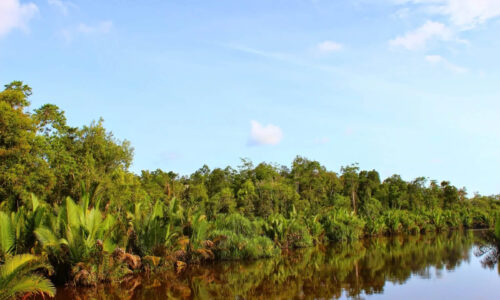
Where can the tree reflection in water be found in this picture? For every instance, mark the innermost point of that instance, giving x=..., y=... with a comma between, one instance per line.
x=489, y=249
x=323, y=272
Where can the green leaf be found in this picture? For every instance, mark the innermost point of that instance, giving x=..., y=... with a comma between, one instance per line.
x=7, y=235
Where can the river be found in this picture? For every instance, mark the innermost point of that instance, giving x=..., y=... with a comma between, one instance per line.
x=456, y=265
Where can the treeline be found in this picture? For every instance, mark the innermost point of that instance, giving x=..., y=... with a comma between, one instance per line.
x=66, y=193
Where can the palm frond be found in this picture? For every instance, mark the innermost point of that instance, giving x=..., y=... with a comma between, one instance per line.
x=34, y=202
x=29, y=285
x=7, y=234
x=74, y=214
x=157, y=210
x=19, y=266
x=47, y=237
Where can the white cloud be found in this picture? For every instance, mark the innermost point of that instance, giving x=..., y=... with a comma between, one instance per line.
x=464, y=14
x=264, y=135
x=418, y=38
x=469, y=13
x=102, y=27
x=456, y=16
x=328, y=47
x=62, y=6
x=439, y=60
x=13, y=15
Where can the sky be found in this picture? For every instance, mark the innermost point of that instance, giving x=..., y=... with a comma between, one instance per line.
x=407, y=87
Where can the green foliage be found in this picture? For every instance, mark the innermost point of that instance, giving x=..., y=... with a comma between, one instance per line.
x=152, y=229
x=376, y=226
x=236, y=223
x=23, y=168
x=315, y=229
x=481, y=218
x=341, y=225
x=17, y=228
x=238, y=238
x=246, y=197
x=224, y=201
x=18, y=277
x=401, y=221
x=7, y=235
x=289, y=233
x=218, y=213
x=497, y=229
x=237, y=246
x=78, y=229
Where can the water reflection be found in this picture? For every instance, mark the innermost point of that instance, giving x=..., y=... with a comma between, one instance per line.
x=488, y=249
x=353, y=270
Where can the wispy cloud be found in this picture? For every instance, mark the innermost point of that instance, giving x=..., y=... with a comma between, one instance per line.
x=419, y=38
x=439, y=60
x=286, y=58
x=62, y=6
x=464, y=14
x=350, y=76
x=328, y=47
x=264, y=134
x=14, y=15
x=459, y=15
x=402, y=13
x=266, y=54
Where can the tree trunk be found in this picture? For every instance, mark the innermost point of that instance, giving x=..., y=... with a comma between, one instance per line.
x=353, y=195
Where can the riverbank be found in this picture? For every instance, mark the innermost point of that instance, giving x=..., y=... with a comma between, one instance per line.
x=70, y=205
x=82, y=243
x=367, y=268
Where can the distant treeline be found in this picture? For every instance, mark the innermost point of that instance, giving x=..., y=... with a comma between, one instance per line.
x=248, y=212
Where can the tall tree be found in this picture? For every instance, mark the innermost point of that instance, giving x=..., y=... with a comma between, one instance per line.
x=350, y=179
x=23, y=167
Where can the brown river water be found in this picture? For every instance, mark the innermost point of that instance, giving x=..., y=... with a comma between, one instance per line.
x=456, y=265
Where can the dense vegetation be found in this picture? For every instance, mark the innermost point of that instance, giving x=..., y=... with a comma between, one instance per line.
x=350, y=269
x=66, y=195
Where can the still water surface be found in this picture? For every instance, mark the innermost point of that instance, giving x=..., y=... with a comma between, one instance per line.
x=457, y=265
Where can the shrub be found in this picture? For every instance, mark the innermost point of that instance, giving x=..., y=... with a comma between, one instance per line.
x=452, y=219
x=376, y=226
x=232, y=246
x=481, y=219
x=315, y=229
x=341, y=225
x=288, y=233
x=392, y=221
x=297, y=235
x=236, y=223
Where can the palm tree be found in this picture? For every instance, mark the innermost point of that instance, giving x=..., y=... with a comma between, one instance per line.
x=153, y=230
x=77, y=228
x=18, y=277
x=16, y=228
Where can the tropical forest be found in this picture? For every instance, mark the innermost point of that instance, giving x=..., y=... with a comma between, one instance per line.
x=74, y=216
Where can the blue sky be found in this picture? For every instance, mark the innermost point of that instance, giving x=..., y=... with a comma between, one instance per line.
x=401, y=86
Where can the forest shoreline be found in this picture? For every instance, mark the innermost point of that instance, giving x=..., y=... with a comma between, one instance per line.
x=71, y=210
